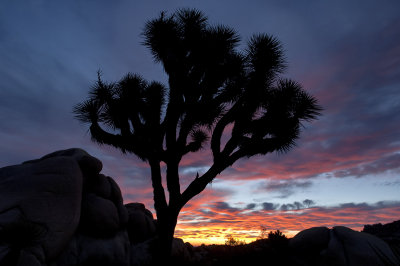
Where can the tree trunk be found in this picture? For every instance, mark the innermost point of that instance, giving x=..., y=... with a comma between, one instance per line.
x=165, y=228
x=167, y=214
x=166, y=223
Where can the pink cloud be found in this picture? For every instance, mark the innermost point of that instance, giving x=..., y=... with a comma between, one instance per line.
x=221, y=218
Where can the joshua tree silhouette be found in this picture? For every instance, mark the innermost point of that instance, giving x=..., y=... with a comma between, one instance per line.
x=212, y=88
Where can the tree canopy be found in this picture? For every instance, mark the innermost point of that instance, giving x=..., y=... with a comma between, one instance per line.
x=212, y=88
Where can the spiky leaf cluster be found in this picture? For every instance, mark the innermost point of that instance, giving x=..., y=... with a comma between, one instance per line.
x=130, y=108
x=211, y=87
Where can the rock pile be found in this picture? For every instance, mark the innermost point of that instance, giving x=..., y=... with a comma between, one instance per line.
x=60, y=210
x=389, y=232
x=341, y=246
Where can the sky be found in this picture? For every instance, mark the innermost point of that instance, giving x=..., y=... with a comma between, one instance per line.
x=345, y=169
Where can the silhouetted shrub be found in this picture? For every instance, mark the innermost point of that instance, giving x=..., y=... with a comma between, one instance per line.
x=277, y=239
x=277, y=235
x=231, y=241
x=263, y=233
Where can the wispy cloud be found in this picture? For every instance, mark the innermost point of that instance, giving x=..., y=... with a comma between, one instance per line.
x=288, y=220
x=286, y=187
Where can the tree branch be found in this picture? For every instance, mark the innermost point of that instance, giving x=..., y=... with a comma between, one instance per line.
x=160, y=203
x=218, y=130
x=253, y=147
x=182, y=138
x=173, y=184
x=200, y=183
x=125, y=143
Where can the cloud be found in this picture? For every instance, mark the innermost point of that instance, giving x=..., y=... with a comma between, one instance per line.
x=286, y=207
x=287, y=187
x=55, y=50
x=223, y=206
x=357, y=85
x=391, y=184
x=268, y=206
x=251, y=206
x=350, y=214
x=382, y=165
x=307, y=202
x=284, y=185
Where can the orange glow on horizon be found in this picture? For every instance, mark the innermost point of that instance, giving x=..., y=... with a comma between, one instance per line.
x=247, y=226
x=209, y=219
x=218, y=235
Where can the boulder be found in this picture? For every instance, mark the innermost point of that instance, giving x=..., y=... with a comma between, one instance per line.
x=4, y=251
x=86, y=250
x=312, y=240
x=143, y=253
x=28, y=259
x=141, y=225
x=87, y=163
x=61, y=200
x=59, y=210
x=103, y=211
x=340, y=246
x=46, y=192
x=361, y=248
x=387, y=231
x=100, y=185
x=116, y=197
x=22, y=238
x=181, y=252
x=99, y=217
x=308, y=245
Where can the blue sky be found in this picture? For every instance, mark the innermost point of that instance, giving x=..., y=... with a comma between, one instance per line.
x=345, y=53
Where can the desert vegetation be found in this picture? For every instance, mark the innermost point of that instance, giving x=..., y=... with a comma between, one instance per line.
x=212, y=88
x=271, y=249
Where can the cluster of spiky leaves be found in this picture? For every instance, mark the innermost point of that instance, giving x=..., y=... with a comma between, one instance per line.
x=131, y=106
x=211, y=86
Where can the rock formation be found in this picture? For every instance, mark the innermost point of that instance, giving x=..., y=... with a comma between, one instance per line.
x=59, y=210
x=141, y=225
x=389, y=232
x=341, y=246
x=44, y=195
